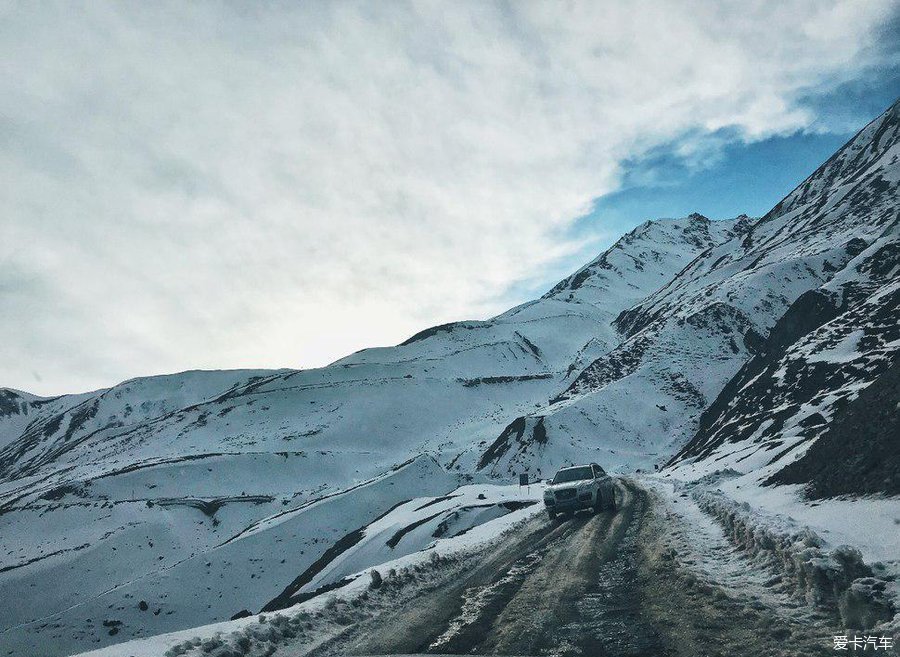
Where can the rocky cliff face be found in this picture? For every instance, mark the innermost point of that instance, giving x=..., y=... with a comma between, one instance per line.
x=835, y=339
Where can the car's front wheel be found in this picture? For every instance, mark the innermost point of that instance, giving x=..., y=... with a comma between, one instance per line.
x=611, y=503
x=551, y=513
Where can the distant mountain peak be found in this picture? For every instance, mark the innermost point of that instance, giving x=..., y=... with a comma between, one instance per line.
x=644, y=243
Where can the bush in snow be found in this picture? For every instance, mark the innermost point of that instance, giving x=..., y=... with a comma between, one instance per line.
x=256, y=640
x=183, y=648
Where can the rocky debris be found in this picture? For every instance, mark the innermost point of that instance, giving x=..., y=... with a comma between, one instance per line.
x=866, y=603
x=256, y=640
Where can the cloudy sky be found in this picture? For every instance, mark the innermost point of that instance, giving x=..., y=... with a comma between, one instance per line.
x=219, y=185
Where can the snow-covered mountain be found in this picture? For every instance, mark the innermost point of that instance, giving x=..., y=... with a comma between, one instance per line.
x=173, y=501
x=756, y=343
x=136, y=488
x=839, y=335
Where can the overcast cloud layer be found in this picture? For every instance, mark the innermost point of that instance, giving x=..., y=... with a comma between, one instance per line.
x=209, y=186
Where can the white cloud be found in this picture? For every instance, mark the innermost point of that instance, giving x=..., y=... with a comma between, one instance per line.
x=276, y=185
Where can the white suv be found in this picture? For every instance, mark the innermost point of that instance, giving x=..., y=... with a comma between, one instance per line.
x=580, y=487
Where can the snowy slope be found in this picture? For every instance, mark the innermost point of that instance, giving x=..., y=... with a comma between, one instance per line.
x=686, y=347
x=646, y=389
x=185, y=567
x=837, y=337
x=422, y=532
x=805, y=434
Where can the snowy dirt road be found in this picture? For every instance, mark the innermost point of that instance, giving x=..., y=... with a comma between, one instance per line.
x=607, y=584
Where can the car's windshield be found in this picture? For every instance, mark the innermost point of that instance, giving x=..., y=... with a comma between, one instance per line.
x=573, y=474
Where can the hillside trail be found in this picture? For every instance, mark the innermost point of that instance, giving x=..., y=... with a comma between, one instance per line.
x=594, y=585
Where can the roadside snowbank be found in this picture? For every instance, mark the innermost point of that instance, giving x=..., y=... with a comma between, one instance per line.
x=826, y=576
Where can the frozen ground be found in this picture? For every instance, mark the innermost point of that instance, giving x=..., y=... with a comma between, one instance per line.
x=704, y=545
